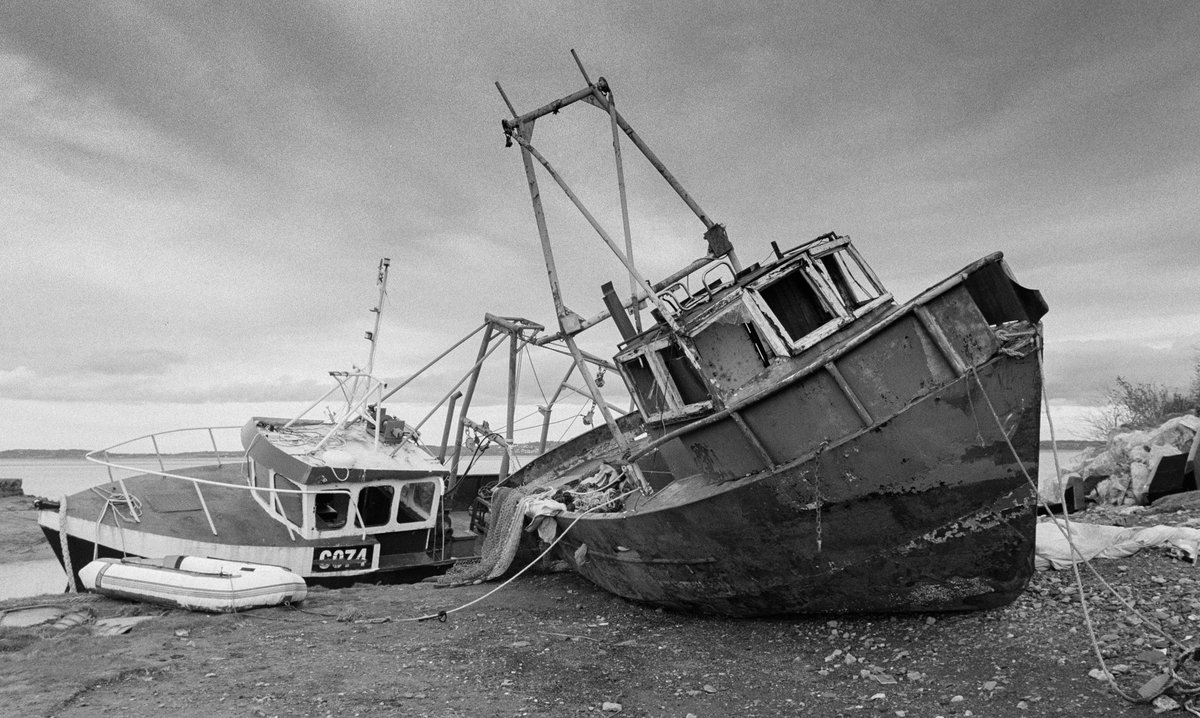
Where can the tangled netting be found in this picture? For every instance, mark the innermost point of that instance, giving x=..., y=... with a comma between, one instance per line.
x=598, y=491
x=500, y=545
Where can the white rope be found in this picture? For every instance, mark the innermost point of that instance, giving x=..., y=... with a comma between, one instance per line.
x=441, y=615
x=1070, y=541
x=66, y=549
x=113, y=500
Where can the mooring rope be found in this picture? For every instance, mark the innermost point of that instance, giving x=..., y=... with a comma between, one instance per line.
x=1065, y=529
x=441, y=615
x=66, y=548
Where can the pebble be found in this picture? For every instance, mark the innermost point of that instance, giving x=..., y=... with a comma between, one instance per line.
x=1164, y=704
x=1151, y=656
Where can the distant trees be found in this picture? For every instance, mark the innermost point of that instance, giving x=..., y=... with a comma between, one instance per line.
x=1141, y=405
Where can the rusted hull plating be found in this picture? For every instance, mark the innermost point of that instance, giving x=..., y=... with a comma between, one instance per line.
x=930, y=511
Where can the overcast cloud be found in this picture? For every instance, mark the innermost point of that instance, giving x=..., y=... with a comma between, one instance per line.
x=195, y=195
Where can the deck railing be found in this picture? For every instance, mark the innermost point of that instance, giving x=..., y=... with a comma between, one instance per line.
x=104, y=458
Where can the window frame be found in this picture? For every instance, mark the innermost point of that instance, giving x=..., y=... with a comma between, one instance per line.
x=807, y=264
x=675, y=406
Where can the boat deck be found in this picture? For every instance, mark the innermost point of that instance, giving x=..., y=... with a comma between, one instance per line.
x=175, y=507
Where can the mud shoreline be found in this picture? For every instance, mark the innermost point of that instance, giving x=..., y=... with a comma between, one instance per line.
x=554, y=645
x=20, y=535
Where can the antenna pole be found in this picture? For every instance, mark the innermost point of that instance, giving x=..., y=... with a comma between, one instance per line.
x=378, y=309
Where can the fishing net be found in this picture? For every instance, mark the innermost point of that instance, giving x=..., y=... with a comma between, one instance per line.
x=500, y=545
x=602, y=490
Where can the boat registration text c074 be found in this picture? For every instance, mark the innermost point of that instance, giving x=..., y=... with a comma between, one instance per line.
x=342, y=558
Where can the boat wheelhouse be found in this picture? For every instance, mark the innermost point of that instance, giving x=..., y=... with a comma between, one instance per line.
x=741, y=325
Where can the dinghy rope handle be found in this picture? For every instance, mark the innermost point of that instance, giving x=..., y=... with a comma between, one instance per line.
x=1064, y=528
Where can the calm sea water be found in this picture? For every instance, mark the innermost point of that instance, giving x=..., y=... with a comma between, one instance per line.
x=56, y=477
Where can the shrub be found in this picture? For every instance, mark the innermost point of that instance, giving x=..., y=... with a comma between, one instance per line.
x=1143, y=405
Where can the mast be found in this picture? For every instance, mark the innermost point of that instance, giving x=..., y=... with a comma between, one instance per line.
x=373, y=335
x=519, y=130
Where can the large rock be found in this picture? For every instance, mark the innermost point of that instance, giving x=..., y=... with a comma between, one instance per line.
x=1129, y=460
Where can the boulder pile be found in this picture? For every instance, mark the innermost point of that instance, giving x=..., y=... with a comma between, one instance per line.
x=1120, y=473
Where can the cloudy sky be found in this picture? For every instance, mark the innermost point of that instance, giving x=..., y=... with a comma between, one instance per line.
x=194, y=196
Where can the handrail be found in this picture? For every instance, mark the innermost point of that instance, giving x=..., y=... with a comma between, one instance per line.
x=89, y=456
x=197, y=482
x=353, y=518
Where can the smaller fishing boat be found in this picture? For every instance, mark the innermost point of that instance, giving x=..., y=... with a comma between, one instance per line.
x=354, y=495
x=333, y=500
x=194, y=583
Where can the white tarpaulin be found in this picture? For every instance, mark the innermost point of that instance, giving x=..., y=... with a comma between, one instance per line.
x=1097, y=541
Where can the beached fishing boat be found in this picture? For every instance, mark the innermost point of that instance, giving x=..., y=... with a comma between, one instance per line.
x=802, y=442
x=354, y=496
x=331, y=500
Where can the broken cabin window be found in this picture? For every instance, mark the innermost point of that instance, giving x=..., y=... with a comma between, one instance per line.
x=663, y=379
x=687, y=380
x=796, y=305
x=854, y=287
x=649, y=392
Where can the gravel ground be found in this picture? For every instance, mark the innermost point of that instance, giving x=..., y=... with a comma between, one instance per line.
x=554, y=645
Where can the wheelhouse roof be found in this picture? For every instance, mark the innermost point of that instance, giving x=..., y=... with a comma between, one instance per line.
x=350, y=454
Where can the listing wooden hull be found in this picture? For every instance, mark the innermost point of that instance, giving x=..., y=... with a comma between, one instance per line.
x=893, y=469
x=807, y=445
x=939, y=516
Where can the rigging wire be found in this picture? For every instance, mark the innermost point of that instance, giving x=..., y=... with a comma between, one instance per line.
x=536, y=379
x=568, y=428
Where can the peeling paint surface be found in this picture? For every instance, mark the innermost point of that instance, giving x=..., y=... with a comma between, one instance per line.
x=924, y=524
x=892, y=474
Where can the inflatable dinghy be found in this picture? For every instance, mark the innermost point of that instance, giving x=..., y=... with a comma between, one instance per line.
x=194, y=583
